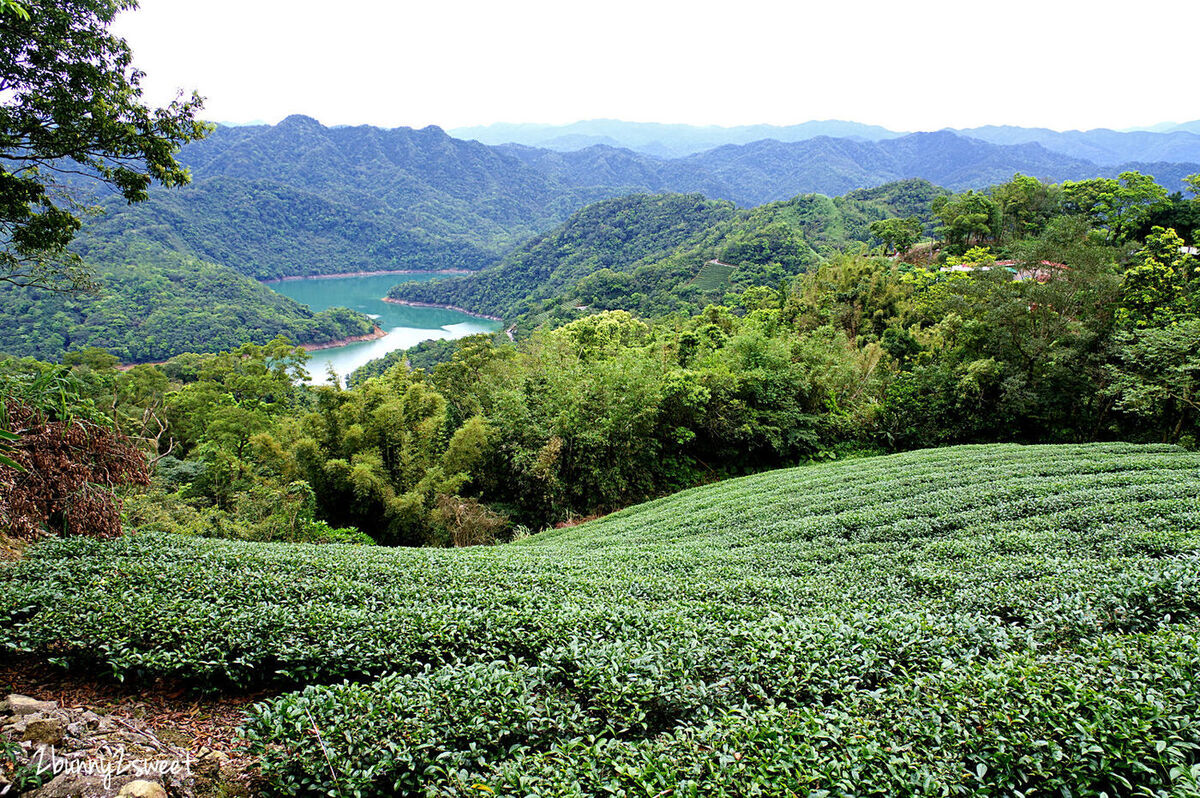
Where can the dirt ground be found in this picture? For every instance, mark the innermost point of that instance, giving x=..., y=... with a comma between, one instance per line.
x=195, y=722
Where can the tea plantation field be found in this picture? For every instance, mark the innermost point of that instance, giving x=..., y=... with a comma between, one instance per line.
x=980, y=620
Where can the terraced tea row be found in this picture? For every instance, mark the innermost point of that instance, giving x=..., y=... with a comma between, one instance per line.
x=701, y=639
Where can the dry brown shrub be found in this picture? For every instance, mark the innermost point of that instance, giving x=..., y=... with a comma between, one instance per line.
x=469, y=522
x=71, y=471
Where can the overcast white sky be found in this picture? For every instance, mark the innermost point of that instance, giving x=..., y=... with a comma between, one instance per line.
x=919, y=65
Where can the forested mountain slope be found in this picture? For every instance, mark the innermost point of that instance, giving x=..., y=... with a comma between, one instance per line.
x=769, y=170
x=156, y=303
x=766, y=171
x=299, y=198
x=614, y=234
x=265, y=229
x=648, y=253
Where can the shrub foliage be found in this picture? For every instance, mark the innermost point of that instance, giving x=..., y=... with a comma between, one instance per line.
x=965, y=621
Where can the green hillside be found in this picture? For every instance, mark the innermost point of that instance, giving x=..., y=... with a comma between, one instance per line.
x=617, y=235
x=268, y=230
x=647, y=253
x=300, y=198
x=972, y=620
x=155, y=303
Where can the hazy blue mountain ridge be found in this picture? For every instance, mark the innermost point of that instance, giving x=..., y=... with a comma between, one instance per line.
x=1103, y=147
x=1168, y=142
x=662, y=140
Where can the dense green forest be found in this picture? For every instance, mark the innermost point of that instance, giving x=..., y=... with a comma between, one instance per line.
x=607, y=257
x=613, y=233
x=154, y=303
x=267, y=230
x=1089, y=331
x=647, y=253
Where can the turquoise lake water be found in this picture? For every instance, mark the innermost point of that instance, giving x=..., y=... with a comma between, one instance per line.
x=406, y=326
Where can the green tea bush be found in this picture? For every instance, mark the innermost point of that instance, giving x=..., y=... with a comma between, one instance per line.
x=445, y=724
x=1119, y=717
x=977, y=620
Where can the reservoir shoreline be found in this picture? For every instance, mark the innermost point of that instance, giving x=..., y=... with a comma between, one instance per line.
x=397, y=326
x=294, y=277
x=374, y=335
x=378, y=333
x=455, y=308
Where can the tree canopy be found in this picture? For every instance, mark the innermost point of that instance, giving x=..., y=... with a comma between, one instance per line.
x=72, y=115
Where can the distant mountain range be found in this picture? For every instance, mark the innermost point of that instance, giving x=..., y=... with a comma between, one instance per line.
x=1104, y=147
x=299, y=198
x=766, y=171
x=662, y=140
x=1169, y=142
